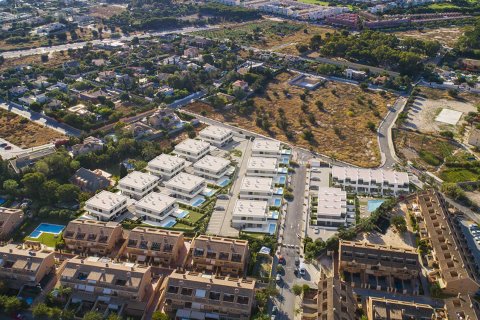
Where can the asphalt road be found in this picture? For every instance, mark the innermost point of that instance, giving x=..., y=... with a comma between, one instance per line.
x=385, y=139
x=291, y=244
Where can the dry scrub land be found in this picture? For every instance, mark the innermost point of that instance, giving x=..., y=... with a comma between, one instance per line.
x=424, y=151
x=446, y=36
x=339, y=128
x=23, y=132
x=275, y=35
x=106, y=11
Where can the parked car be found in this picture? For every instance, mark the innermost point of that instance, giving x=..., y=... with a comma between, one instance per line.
x=274, y=310
x=297, y=261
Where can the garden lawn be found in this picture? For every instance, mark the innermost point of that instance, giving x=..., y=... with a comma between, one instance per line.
x=193, y=217
x=48, y=239
x=459, y=175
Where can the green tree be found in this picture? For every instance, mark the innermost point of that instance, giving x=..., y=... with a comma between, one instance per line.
x=158, y=315
x=31, y=183
x=92, y=315
x=11, y=187
x=297, y=289
x=68, y=193
x=399, y=222
x=49, y=190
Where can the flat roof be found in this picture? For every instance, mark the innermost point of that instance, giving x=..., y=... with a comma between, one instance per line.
x=256, y=184
x=185, y=181
x=266, y=145
x=331, y=201
x=260, y=163
x=379, y=175
x=192, y=145
x=106, y=200
x=166, y=161
x=212, y=163
x=138, y=180
x=216, y=132
x=155, y=201
x=250, y=208
x=191, y=276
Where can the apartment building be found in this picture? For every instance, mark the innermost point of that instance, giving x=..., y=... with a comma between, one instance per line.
x=19, y=266
x=185, y=186
x=211, y=168
x=153, y=246
x=10, y=219
x=192, y=150
x=190, y=293
x=217, y=254
x=381, y=308
x=455, y=266
x=379, y=267
x=462, y=307
x=250, y=215
x=137, y=184
x=166, y=166
x=331, y=207
x=266, y=148
x=256, y=188
x=333, y=299
x=120, y=287
x=92, y=237
x=155, y=207
x=370, y=181
x=106, y=205
x=217, y=136
x=262, y=167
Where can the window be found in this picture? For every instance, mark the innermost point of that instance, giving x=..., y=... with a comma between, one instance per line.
x=242, y=300
x=223, y=256
x=199, y=293
x=198, y=252
x=228, y=297
x=236, y=257
x=172, y=289
x=211, y=255
x=187, y=291
x=214, y=295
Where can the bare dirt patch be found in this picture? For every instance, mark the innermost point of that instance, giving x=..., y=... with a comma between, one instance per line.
x=23, y=132
x=446, y=36
x=428, y=105
x=106, y=11
x=339, y=128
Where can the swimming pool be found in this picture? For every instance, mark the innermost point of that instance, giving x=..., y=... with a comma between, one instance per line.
x=276, y=202
x=182, y=214
x=223, y=182
x=373, y=205
x=285, y=160
x=169, y=224
x=278, y=191
x=198, y=202
x=272, y=227
x=280, y=180
x=46, y=228
x=2, y=201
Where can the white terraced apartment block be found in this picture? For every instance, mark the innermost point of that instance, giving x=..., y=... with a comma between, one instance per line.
x=331, y=207
x=185, y=186
x=192, y=150
x=106, y=205
x=155, y=207
x=210, y=167
x=250, y=214
x=371, y=181
x=166, y=166
x=217, y=136
x=262, y=167
x=138, y=184
x=266, y=148
x=255, y=188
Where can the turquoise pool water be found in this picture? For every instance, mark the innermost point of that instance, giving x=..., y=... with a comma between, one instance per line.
x=2, y=201
x=277, y=202
x=46, y=228
x=285, y=160
x=272, y=227
x=281, y=179
x=169, y=224
x=373, y=205
x=198, y=202
x=182, y=214
x=223, y=182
